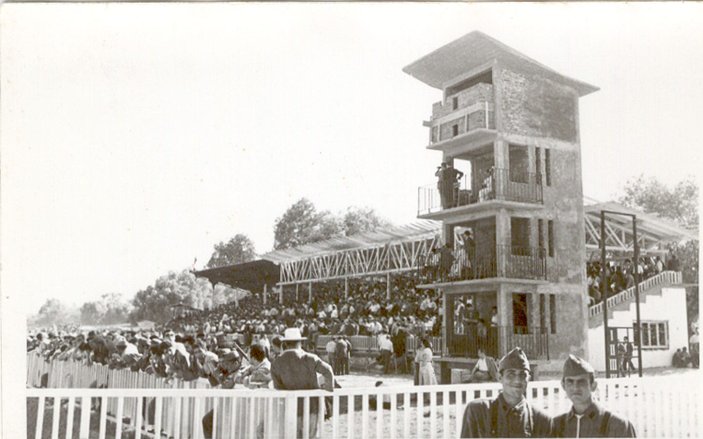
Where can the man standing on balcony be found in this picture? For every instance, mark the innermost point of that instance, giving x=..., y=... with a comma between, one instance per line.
x=447, y=177
x=469, y=254
x=446, y=260
x=586, y=418
x=508, y=415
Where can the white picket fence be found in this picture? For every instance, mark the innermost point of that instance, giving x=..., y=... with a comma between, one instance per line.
x=658, y=407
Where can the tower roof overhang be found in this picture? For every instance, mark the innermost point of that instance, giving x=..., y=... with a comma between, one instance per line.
x=448, y=64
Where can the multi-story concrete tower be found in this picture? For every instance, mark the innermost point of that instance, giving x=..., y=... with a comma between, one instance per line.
x=511, y=125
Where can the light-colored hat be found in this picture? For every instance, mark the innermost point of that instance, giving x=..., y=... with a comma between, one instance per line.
x=292, y=334
x=574, y=366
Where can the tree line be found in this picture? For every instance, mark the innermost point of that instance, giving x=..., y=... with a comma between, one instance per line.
x=302, y=223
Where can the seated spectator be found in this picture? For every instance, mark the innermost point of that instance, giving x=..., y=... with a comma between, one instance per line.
x=258, y=374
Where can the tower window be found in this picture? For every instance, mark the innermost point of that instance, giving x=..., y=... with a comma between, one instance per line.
x=548, y=167
x=542, y=315
x=553, y=313
x=520, y=236
x=550, y=237
x=520, y=313
x=455, y=103
x=455, y=130
x=538, y=164
x=540, y=234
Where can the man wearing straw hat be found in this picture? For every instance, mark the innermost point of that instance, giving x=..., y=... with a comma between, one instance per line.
x=586, y=418
x=296, y=369
x=508, y=415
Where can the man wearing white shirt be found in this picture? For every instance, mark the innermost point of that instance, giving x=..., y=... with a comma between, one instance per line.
x=386, y=347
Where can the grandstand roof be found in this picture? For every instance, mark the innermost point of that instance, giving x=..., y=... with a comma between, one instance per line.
x=655, y=226
x=663, y=228
x=413, y=231
x=250, y=276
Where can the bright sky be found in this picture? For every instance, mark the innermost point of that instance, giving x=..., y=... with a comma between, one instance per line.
x=136, y=136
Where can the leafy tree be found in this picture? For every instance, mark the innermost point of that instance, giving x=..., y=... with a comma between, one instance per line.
x=237, y=250
x=649, y=194
x=53, y=311
x=361, y=219
x=302, y=224
x=681, y=205
x=223, y=293
x=92, y=313
x=173, y=288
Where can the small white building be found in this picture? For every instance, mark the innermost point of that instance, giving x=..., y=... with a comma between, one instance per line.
x=663, y=319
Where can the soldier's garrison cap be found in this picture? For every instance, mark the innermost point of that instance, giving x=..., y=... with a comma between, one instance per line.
x=515, y=359
x=574, y=366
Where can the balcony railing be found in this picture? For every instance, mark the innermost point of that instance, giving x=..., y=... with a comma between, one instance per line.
x=511, y=262
x=462, y=121
x=496, y=184
x=466, y=338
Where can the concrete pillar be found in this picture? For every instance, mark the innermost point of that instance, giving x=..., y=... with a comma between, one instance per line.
x=280, y=295
x=447, y=321
x=309, y=292
x=346, y=287
x=297, y=293
x=502, y=240
x=265, y=294
x=448, y=234
x=500, y=154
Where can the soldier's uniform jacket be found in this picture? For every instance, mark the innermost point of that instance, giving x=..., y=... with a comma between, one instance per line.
x=496, y=418
x=595, y=422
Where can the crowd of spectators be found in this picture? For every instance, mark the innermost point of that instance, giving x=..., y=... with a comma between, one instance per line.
x=203, y=345
x=620, y=274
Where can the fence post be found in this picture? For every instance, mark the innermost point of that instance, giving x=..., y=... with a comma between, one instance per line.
x=291, y=417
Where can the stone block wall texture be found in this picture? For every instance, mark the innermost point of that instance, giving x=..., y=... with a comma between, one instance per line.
x=534, y=106
x=564, y=198
x=470, y=96
x=445, y=130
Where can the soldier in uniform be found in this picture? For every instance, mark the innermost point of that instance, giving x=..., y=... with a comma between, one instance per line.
x=586, y=418
x=508, y=415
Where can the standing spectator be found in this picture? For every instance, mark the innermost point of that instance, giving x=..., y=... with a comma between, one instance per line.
x=446, y=260
x=330, y=348
x=423, y=360
x=620, y=357
x=447, y=178
x=340, y=355
x=627, y=359
x=469, y=254
x=386, y=346
x=296, y=369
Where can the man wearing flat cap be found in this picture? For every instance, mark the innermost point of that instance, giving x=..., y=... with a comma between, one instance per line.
x=508, y=415
x=586, y=418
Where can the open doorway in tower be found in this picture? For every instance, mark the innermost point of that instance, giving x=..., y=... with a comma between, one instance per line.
x=469, y=324
x=475, y=249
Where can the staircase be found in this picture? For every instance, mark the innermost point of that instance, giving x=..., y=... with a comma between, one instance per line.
x=624, y=298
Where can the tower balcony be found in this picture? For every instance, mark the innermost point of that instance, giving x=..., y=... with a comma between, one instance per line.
x=438, y=202
x=506, y=261
x=463, y=129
